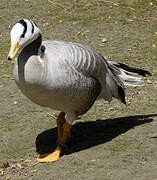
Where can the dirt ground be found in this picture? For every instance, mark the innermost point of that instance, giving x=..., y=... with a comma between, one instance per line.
x=111, y=141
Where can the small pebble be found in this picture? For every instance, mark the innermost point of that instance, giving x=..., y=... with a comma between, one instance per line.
x=149, y=81
x=104, y=40
x=15, y=102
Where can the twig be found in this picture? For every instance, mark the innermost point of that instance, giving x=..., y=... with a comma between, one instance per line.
x=56, y=4
x=51, y=115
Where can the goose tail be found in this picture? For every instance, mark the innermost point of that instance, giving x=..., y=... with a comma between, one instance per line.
x=128, y=74
x=120, y=75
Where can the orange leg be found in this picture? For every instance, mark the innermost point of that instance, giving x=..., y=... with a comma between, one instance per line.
x=64, y=133
x=60, y=121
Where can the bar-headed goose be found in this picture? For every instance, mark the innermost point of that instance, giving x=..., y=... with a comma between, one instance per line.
x=65, y=76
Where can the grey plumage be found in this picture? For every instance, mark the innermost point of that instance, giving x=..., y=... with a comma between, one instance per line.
x=68, y=76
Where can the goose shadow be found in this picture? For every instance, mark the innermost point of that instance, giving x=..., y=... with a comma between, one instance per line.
x=88, y=134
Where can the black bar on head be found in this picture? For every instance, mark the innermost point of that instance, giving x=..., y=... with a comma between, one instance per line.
x=25, y=27
x=32, y=27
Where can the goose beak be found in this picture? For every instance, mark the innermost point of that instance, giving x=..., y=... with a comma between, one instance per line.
x=13, y=50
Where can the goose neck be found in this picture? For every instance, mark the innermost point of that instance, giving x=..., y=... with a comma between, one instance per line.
x=34, y=46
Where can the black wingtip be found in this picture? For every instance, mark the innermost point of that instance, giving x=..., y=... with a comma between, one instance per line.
x=139, y=71
x=142, y=72
x=148, y=73
x=121, y=94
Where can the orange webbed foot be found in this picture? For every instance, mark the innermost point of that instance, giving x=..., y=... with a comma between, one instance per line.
x=50, y=157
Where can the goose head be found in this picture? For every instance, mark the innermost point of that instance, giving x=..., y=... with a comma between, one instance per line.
x=23, y=33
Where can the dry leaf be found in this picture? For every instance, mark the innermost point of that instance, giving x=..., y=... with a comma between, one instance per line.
x=34, y=170
x=6, y=76
x=110, y=109
x=128, y=102
x=27, y=161
x=135, y=44
x=57, y=17
x=132, y=9
x=155, y=84
x=8, y=178
x=99, y=105
x=79, y=33
x=13, y=166
x=136, y=102
x=19, y=165
x=130, y=20
x=101, y=35
x=115, y=4
x=150, y=14
x=1, y=172
x=5, y=165
x=46, y=24
x=126, y=35
x=9, y=27
x=108, y=174
x=154, y=45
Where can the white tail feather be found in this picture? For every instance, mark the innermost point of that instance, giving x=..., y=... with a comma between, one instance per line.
x=128, y=74
x=128, y=78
